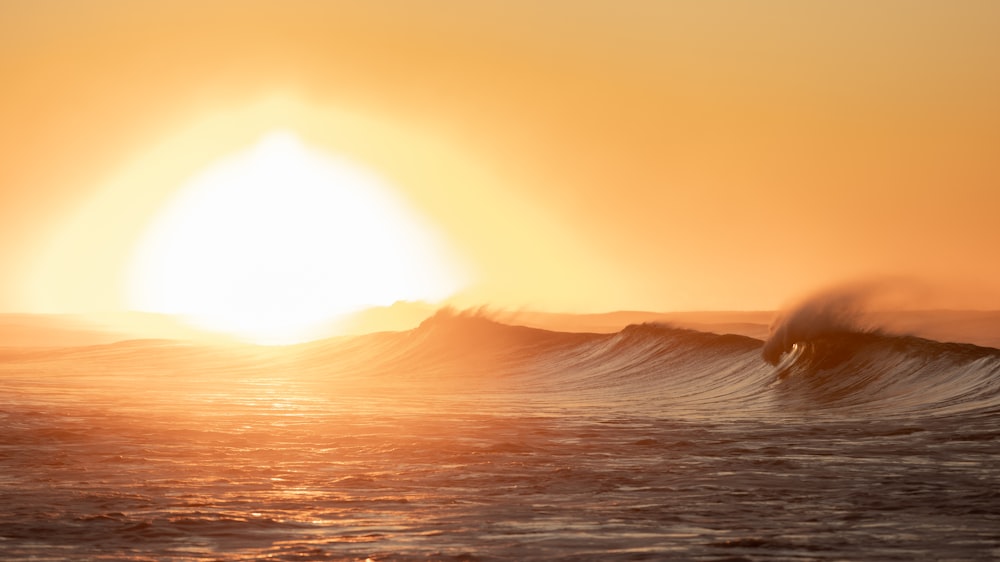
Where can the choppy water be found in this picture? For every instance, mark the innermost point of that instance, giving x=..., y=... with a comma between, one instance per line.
x=470, y=440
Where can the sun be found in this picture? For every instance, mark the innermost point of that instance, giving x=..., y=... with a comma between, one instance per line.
x=274, y=243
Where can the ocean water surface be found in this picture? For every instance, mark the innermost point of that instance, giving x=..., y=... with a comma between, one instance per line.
x=468, y=439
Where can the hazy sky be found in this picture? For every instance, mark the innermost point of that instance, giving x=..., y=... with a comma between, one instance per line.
x=584, y=155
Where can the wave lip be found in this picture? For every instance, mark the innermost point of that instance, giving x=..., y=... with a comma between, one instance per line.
x=837, y=312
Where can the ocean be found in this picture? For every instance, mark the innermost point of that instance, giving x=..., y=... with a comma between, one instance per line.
x=467, y=438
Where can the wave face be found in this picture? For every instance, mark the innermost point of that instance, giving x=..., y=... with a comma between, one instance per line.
x=874, y=373
x=828, y=351
x=824, y=366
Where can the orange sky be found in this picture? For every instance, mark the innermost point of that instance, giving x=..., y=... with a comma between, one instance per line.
x=585, y=156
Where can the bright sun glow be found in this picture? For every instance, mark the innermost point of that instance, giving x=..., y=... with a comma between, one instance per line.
x=274, y=243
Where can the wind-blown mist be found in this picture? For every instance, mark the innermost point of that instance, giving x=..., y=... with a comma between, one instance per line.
x=888, y=306
x=845, y=309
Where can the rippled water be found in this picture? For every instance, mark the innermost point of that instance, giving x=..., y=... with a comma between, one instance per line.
x=140, y=457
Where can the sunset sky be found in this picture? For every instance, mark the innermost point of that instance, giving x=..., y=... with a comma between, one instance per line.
x=572, y=156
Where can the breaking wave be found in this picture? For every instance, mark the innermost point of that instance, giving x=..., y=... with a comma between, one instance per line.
x=825, y=365
x=820, y=359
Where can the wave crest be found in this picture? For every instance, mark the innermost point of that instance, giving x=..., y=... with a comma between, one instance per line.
x=840, y=311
